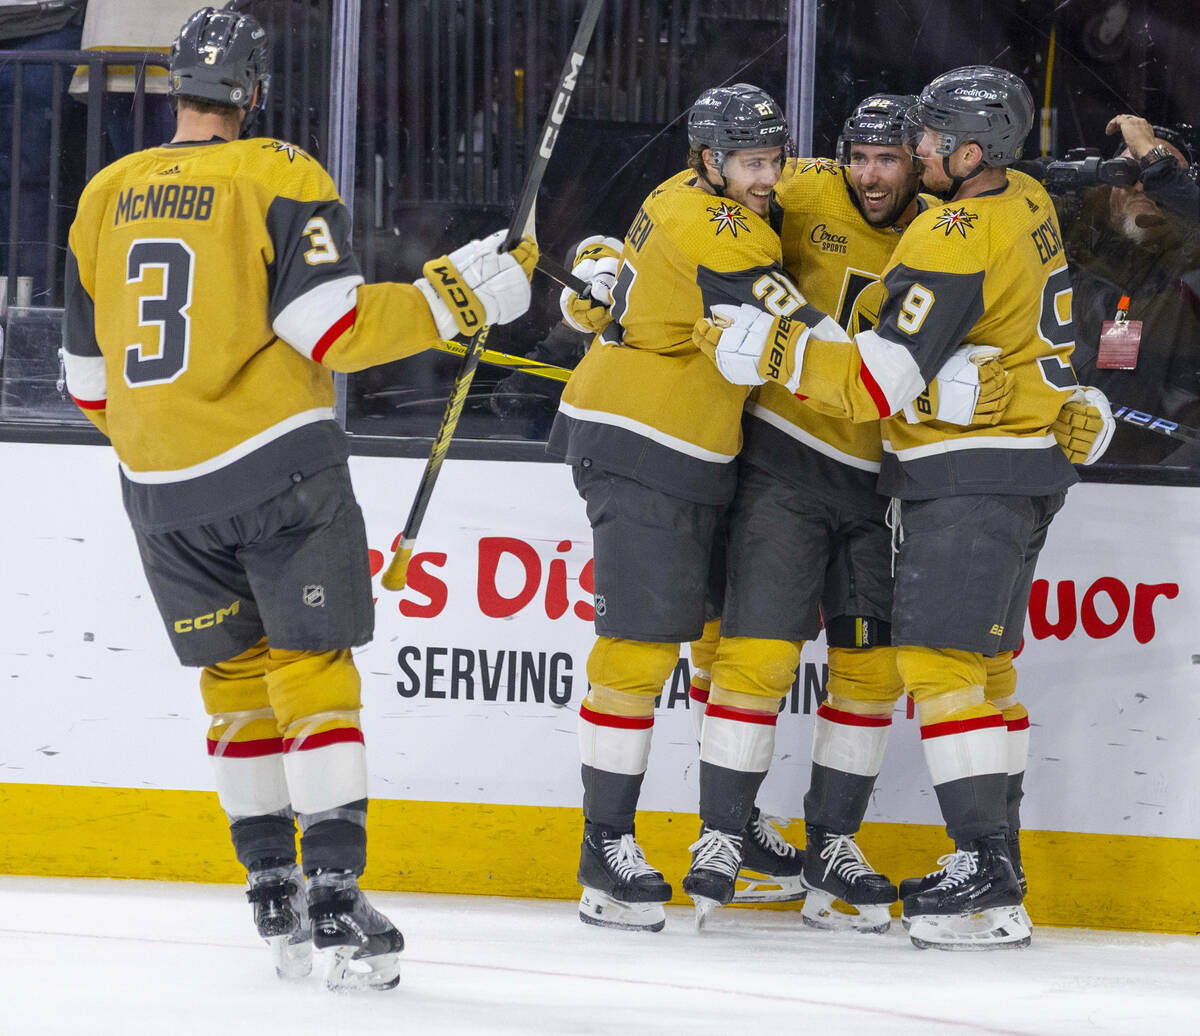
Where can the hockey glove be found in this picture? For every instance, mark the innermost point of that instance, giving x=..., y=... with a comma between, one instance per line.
x=596, y=261
x=478, y=284
x=1084, y=426
x=749, y=346
x=970, y=389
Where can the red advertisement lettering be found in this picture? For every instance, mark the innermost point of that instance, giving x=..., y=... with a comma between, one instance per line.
x=1102, y=612
x=424, y=582
x=491, y=550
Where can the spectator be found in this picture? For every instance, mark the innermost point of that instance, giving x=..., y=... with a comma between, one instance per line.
x=1134, y=262
x=132, y=25
x=1168, y=183
x=28, y=26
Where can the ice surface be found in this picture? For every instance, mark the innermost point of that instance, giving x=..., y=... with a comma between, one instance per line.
x=95, y=956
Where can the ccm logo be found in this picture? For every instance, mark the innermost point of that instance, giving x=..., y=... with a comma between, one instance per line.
x=203, y=622
x=452, y=290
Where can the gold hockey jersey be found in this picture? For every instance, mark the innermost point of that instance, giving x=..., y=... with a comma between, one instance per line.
x=210, y=290
x=836, y=258
x=988, y=270
x=645, y=402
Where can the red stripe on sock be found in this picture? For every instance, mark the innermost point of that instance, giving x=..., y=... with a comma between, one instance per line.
x=340, y=735
x=766, y=719
x=246, y=749
x=698, y=694
x=604, y=719
x=1017, y=724
x=961, y=726
x=333, y=334
x=852, y=719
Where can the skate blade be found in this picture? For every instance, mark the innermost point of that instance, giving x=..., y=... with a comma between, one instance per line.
x=998, y=928
x=602, y=910
x=293, y=959
x=759, y=887
x=823, y=912
x=347, y=973
x=704, y=907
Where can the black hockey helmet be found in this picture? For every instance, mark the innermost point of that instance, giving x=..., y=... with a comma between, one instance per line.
x=732, y=118
x=880, y=120
x=979, y=103
x=219, y=57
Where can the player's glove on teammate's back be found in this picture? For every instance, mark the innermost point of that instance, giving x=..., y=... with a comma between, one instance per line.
x=970, y=389
x=1084, y=426
x=478, y=284
x=596, y=262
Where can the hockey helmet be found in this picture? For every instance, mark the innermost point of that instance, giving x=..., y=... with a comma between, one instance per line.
x=219, y=58
x=733, y=118
x=878, y=120
x=979, y=103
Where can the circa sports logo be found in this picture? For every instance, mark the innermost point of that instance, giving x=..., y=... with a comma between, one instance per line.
x=956, y=219
x=828, y=240
x=728, y=217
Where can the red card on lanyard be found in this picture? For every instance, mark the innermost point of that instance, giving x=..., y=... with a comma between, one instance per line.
x=1120, y=340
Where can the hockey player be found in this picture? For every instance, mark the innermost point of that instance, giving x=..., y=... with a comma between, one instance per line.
x=210, y=291
x=651, y=430
x=986, y=267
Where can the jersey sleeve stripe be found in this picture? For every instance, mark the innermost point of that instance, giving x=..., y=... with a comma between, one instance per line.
x=304, y=323
x=86, y=380
x=334, y=333
x=889, y=372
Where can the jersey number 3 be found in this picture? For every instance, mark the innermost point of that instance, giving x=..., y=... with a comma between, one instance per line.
x=167, y=312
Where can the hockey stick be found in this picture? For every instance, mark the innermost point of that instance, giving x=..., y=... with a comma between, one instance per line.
x=1141, y=419
x=396, y=574
x=517, y=363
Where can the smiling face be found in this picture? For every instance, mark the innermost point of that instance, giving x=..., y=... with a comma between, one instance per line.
x=884, y=180
x=750, y=176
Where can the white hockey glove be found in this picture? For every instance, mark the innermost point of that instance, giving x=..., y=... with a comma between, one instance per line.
x=477, y=285
x=1084, y=426
x=970, y=389
x=749, y=346
x=597, y=259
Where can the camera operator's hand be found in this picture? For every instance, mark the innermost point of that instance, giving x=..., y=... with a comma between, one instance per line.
x=1137, y=132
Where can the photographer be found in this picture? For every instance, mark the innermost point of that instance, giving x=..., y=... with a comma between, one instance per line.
x=1164, y=178
x=1135, y=270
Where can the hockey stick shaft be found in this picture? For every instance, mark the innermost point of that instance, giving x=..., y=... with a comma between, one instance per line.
x=517, y=363
x=396, y=574
x=557, y=272
x=1141, y=419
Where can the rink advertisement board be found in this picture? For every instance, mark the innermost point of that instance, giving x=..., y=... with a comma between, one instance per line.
x=473, y=682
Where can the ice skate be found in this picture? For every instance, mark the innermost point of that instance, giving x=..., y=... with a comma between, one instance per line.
x=620, y=889
x=911, y=886
x=710, y=881
x=974, y=905
x=281, y=916
x=844, y=893
x=771, y=865
x=363, y=945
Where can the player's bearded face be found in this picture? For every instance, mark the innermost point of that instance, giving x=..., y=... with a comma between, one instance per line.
x=751, y=176
x=884, y=179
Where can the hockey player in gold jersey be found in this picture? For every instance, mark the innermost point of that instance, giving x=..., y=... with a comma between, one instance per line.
x=210, y=292
x=987, y=268
x=652, y=430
